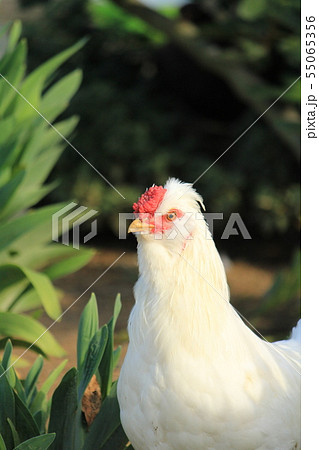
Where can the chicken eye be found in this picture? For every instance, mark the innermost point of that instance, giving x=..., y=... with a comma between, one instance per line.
x=171, y=216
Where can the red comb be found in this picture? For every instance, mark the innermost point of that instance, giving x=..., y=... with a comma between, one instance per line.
x=149, y=201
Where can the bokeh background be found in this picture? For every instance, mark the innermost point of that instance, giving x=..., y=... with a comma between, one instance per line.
x=167, y=87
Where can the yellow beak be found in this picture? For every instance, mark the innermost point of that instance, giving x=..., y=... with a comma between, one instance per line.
x=137, y=226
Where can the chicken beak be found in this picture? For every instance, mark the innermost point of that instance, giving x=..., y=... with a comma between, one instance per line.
x=138, y=226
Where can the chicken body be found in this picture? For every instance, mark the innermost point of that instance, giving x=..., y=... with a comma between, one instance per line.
x=195, y=377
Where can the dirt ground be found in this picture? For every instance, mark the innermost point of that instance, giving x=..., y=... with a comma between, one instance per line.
x=247, y=284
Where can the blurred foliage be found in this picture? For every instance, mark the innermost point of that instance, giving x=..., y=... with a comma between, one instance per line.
x=83, y=412
x=166, y=92
x=29, y=149
x=285, y=289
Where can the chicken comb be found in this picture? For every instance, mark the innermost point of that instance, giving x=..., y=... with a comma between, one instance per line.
x=149, y=201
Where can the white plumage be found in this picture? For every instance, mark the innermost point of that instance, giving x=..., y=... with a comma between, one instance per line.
x=195, y=377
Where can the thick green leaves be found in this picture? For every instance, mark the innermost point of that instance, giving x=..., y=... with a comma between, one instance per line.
x=2, y=443
x=34, y=84
x=30, y=330
x=7, y=190
x=24, y=413
x=16, y=228
x=41, y=284
x=7, y=407
x=37, y=443
x=14, y=433
x=118, y=440
x=14, y=35
x=6, y=363
x=88, y=326
x=47, y=384
x=92, y=359
x=7, y=354
x=70, y=265
x=29, y=149
x=24, y=421
x=56, y=99
x=33, y=376
x=63, y=412
x=108, y=360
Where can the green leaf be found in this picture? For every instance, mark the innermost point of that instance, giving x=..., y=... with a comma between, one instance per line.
x=57, y=98
x=24, y=421
x=26, y=328
x=20, y=343
x=7, y=190
x=26, y=302
x=6, y=362
x=88, y=326
x=117, y=440
x=14, y=35
x=12, y=66
x=45, y=137
x=39, y=281
x=15, y=436
x=2, y=443
x=35, y=82
x=107, y=363
x=17, y=227
x=19, y=389
x=63, y=411
x=7, y=408
x=47, y=384
x=7, y=355
x=33, y=376
x=42, y=442
x=92, y=359
x=69, y=265
x=116, y=356
x=45, y=291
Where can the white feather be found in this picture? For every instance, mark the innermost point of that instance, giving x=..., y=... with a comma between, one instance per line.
x=195, y=377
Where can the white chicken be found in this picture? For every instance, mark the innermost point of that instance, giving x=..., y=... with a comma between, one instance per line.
x=195, y=377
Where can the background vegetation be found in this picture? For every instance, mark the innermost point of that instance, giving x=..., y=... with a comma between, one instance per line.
x=166, y=91
x=83, y=413
x=29, y=148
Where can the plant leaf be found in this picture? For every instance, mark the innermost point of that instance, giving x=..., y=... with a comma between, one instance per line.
x=7, y=408
x=107, y=363
x=26, y=328
x=41, y=442
x=33, y=85
x=15, y=436
x=33, y=376
x=92, y=359
x=47, y=384
x=2, y=443
x=88, y=326
x=40, y=282
x=24, y=421
x=63, y=411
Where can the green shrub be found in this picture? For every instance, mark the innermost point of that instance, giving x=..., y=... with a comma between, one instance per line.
x=161, y=100
x=29, y=149
x=25, y=410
